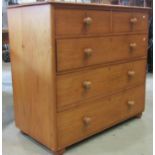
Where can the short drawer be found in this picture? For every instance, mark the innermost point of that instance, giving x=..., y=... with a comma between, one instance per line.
x=81, y=22
x=129, y=22
x=76, y=53
x=75, y=87
x=96, y=115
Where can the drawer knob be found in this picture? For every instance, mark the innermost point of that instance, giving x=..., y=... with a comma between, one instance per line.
x=133, y=45
x=131, y=73
x=133, y=20
x=87, y=85
x=87, y=120
x=87, y=21
x=88, y=52
x=131, y=103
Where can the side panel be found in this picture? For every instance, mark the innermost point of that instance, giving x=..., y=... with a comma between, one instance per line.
x=33, y=71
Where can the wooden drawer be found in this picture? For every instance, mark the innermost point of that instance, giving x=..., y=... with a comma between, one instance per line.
x=79, y=22
x=129, y=22
x=76, y=53
x=75, y=87
x=96, y=115
x=83, y=22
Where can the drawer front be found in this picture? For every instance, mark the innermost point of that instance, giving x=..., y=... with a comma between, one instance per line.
x=76, y=53
x=75, y=87
x=79, y=22
x=96, y=115
x=129, y=22
x=85, y=22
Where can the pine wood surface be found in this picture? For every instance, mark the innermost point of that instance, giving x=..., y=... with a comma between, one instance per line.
x=76, y=66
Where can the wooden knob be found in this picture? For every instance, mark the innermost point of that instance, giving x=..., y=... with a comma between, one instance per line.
x=87, y=85
x=88, y=52
x=87, y=120
x=133, y=45
x=133, y=20
x=131, y=103
x=131, y=73
x=87, y=20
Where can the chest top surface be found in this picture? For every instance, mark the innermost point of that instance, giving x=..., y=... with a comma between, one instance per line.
x=79, y=5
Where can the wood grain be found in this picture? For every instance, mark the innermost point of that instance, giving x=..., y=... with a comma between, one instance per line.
x=71, y=52
x=33, y=70
x=103, y=80
x=104, y=113
x=77, y=69
x=69, y=22
x=121, y=22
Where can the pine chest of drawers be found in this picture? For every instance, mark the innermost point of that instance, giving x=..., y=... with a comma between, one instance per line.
x=77, y=68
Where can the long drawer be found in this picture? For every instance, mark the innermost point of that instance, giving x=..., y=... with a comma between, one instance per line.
x=76, y=53
x=87, y=22
x=95, y=115
x=75, y=87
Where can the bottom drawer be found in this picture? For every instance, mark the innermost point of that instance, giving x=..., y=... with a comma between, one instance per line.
x=95, y=115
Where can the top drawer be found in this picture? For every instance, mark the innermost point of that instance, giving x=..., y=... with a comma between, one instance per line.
x=78, y=22
x=129, y=22
x=87, y=22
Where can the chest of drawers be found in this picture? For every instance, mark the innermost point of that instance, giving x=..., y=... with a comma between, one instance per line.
x=77, y=69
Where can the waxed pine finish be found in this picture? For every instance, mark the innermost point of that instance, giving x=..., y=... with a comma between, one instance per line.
x=77, y=69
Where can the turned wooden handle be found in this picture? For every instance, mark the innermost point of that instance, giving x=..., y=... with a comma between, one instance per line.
x=133, y=20
x=88, y=52
x=131, y=103
x=131, y=73
x=87, y=20
x=133, y=45
x=87, y=85
x=87, y=120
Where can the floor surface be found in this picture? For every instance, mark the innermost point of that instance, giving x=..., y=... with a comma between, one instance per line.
x=133, y=137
